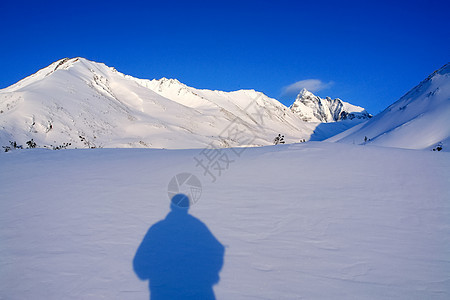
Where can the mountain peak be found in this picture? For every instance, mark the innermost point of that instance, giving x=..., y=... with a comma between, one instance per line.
x=312, y=108
x=305, y=93
x=65, y=63
x=169, y=82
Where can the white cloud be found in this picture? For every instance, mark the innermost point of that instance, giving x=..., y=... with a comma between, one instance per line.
x=312, y=85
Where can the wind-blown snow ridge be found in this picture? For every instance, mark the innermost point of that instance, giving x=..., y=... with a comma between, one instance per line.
x=418, y=120
x=89, y=104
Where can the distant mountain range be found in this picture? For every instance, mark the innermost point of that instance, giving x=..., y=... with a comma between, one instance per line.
x=77, y=103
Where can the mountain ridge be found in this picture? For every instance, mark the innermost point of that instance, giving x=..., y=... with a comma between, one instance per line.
x=77, y=101
x=418, y=120
x=313, y=108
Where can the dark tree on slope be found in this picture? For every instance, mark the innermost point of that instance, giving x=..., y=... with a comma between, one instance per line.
x=279, y=139
x=31, y=144
x=438, y=147
x=13, y=145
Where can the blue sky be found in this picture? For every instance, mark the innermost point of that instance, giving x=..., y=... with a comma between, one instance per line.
x=368, y=53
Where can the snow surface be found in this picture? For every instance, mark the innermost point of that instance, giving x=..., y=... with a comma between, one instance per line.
x=303, y=221
x=418, y=120
x=88, y=104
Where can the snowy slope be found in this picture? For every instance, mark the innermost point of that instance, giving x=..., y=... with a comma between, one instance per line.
x=418, y=120
x=304, y=221
x=312, y=108
x=89, y=104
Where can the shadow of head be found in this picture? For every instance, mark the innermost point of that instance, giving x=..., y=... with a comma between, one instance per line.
x=179, y=255
x=180, y=202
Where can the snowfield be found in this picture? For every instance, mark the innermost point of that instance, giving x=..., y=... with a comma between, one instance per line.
x=302, y=221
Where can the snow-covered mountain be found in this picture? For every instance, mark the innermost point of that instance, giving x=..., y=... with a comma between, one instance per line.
x=418, y=120
x=312, y=108
x=88, y=104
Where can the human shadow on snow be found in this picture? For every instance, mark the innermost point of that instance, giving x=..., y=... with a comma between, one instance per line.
x=179, y=256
